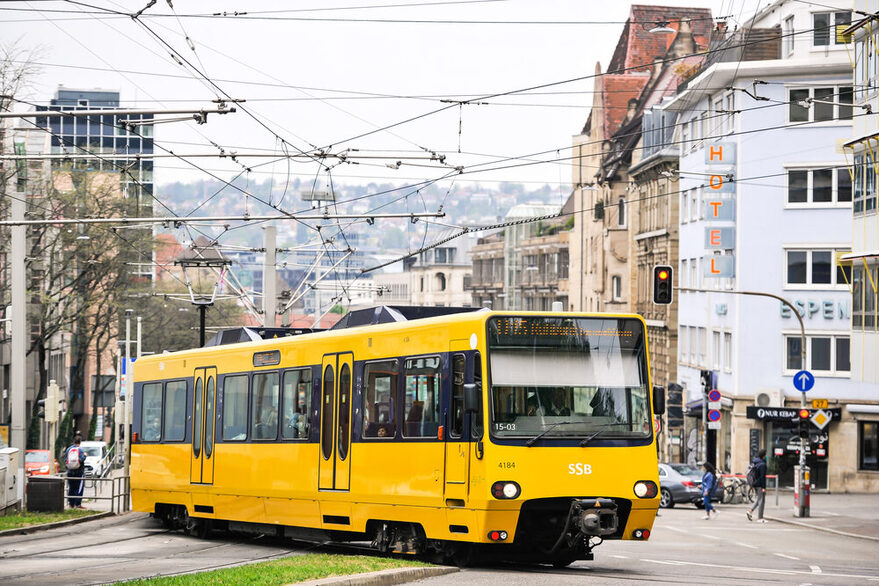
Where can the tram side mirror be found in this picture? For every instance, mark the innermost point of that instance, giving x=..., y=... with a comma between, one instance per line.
x=658, y=400
x=471, y=397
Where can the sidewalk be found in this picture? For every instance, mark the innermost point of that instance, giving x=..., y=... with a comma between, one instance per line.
x=854, y=515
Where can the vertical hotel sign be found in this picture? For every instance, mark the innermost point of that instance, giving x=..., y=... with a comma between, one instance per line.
x=720, y=210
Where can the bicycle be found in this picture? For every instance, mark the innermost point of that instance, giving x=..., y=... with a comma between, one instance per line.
x=737, y=490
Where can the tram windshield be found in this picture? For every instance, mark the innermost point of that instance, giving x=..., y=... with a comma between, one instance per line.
x=564, y=377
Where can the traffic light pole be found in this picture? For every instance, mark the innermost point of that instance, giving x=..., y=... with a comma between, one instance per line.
x=801, y=476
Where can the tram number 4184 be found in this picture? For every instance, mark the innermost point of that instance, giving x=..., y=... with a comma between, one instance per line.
x=506, y=465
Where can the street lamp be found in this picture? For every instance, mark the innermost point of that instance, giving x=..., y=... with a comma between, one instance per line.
x=202, y=263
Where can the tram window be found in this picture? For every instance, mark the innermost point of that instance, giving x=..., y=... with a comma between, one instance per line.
x=380, y=387
x=476, y=426
x=151, y=416
x=422, y=391
x=175, y=411
x=296, y=404
x=235, y=408
x=326, y=425
x=265, y=406
x=344, y=420
x=459, y=364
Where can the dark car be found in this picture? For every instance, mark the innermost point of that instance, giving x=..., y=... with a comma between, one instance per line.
x=682, y=483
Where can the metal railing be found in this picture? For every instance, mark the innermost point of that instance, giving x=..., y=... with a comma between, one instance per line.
x=116, y=490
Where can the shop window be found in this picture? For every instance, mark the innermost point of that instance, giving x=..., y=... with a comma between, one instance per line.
x=868, y=440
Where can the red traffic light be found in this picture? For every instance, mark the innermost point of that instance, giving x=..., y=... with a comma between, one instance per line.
x=662, y=275
x=803, y=413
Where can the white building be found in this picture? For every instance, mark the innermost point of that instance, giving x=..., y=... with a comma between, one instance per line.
x=765, y=206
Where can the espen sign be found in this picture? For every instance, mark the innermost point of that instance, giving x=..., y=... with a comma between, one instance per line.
x=811, y=307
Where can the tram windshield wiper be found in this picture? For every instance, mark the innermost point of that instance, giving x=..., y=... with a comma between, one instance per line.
x=586, y=441
x=531, y=442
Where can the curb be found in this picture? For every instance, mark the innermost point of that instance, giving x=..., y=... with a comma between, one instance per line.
x=383, y=577
x=825, y=529
x=46, y=526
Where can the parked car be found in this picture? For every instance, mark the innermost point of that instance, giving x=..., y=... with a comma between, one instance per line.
x=96, y=462
x=682, y=483
x=36, y=463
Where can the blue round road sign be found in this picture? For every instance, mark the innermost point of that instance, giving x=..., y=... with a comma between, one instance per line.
x=713, y=415
x=804, y=380
x=713, y=395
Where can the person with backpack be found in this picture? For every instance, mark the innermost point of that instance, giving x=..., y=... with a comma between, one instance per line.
x=74, y=458
x=709, y=483
x=757, y=479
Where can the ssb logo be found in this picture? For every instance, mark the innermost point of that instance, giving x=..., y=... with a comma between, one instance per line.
x=579, y=469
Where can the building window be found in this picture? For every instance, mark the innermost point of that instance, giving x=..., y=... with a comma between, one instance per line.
x=788, y=35
x=815, y=267
x=616, y=287
x=683, y=346
x=868, y=440
x=727, y=351
x=819, y=186
x=865, y=299
x=715, y=350
x=827, y=28
x=703, y=347
x=621, y=212
x=820, y=104
x=864, y=189
x=441, y=282
x=827, y=355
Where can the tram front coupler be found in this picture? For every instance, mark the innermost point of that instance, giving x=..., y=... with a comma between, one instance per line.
x=595, y=516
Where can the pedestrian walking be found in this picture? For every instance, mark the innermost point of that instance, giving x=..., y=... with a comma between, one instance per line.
x=74, y=458
x=757, y=479
x=709, y=483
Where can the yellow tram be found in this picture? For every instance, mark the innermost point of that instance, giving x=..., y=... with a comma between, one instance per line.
x=456, y=432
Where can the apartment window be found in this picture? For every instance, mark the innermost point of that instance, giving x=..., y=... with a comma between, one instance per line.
x=684, y=212
x=727, y=351
x=864, y=188
x=820, y=104
x=683, y=344
x=621, y=212
x=788, y=35
x=715, y=350
x=818, y=186
x=828, y=355
x=827, y=28
x=617, y=287
x=685, y=281
x=685, y=137
x=868, y=441
x=703, y=347
x=865, y=299
x=815, y=267
x=694, y=205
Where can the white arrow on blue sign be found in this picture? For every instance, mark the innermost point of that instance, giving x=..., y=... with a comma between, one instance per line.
x=804, y=380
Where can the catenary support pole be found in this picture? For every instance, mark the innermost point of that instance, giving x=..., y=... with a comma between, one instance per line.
x=269, y=280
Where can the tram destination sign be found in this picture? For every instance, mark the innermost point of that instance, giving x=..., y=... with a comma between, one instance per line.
x=783, y=413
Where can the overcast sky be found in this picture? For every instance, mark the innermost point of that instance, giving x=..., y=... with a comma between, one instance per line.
x=318, y=83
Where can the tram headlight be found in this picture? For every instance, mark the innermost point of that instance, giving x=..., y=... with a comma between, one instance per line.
x=505, y=489
x=645, y=489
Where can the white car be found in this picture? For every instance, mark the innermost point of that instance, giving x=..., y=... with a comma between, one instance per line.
x=96, y=463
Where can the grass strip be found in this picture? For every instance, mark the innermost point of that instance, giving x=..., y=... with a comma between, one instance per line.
x=297, y=568
x=28, y=518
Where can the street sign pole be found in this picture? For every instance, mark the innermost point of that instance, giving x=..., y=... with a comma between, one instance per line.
x=803, y=381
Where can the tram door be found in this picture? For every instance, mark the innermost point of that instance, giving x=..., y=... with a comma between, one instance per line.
x=335, y=421
x=457, y=446
x=203, y=417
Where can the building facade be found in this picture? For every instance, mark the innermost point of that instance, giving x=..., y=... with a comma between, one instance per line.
x=765, y=208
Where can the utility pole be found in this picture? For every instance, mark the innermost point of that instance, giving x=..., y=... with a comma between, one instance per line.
x=269, y=279
x=18, y=355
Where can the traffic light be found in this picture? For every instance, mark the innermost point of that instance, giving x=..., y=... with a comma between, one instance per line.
x=803, y=416
x=662, y=284
x=41, y=408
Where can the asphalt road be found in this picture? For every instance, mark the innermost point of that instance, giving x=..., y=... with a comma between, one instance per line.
x=682, y=549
